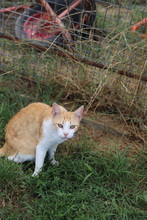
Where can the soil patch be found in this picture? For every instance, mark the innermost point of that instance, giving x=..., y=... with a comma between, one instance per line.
x=110, y=134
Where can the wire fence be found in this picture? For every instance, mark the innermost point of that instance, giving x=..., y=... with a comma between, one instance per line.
x=100, y=46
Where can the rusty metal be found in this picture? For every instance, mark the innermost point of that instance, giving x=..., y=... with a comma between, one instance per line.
x=57, y=20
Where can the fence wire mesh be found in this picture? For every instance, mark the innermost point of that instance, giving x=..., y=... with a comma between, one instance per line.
x=98, y=48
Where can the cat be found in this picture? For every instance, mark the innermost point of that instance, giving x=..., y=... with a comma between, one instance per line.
x=38, y=129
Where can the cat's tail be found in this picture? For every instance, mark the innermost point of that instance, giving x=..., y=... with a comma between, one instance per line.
x=4, y=150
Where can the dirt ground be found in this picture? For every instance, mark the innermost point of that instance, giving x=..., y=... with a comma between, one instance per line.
x=110, y=134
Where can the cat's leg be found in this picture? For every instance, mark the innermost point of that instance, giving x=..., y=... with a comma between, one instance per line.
x=16, y=158
x=20, y=158
x=52, y=152
x=41, y=151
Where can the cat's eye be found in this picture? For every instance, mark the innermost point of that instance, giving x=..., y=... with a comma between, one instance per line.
x=60, y=125
x=72, y=126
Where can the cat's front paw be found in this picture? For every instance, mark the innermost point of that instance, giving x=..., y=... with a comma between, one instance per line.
x=54, y=163
x=35, y=174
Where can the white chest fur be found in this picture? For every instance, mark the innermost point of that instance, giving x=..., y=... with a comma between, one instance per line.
x=48, y=142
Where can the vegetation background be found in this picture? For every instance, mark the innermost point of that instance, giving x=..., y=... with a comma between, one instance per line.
x=102, y=171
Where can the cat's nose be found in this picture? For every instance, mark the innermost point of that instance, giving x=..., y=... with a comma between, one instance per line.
x=65, y=134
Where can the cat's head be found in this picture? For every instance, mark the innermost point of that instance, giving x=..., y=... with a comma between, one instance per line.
x=66, y=123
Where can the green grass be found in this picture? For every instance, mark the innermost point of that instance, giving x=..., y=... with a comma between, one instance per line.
x=87, y=185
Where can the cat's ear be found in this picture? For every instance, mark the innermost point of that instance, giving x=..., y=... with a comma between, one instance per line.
x=55, y=109
x=79, y=112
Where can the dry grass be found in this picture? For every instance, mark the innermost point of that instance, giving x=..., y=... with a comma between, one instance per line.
x=102, y=90
x=102, y=170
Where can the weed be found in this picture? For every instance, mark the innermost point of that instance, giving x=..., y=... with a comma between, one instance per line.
x=89, y=184
x=84, y=186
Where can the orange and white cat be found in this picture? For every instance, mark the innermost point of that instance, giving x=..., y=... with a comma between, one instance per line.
x=38, y=129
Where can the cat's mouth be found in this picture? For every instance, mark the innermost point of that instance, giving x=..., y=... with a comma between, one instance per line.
x=65, y=138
